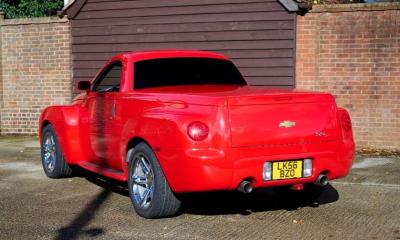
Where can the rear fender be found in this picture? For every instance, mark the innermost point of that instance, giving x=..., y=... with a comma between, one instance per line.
x=150, y=129
x=70, y=124
x=166, y=134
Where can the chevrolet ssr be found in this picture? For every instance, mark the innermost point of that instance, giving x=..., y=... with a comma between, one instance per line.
x=176, y=121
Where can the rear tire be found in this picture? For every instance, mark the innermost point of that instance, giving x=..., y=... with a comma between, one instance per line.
x=54, y=164
x=149, y=191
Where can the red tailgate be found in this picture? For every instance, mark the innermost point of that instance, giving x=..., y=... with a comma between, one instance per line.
x=282, y=119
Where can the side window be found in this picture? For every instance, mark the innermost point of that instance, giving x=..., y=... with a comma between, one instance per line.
x=109, y=80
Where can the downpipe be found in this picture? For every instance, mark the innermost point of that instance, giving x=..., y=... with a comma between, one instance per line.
x=322, y=180
x=245, y=187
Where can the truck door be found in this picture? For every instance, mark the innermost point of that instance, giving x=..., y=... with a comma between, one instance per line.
x=104, y=143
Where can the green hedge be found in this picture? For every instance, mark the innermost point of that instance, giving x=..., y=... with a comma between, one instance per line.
x=30, y=8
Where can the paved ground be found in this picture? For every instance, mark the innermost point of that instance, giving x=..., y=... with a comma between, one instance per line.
x=365, y=205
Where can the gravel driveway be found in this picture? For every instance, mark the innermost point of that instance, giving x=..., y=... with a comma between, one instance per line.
x=365, y=205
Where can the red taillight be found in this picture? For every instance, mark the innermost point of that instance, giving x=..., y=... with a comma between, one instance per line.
x=197, y=131
x=345, y=122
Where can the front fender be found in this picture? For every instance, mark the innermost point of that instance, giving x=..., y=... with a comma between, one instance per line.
x=70, y=124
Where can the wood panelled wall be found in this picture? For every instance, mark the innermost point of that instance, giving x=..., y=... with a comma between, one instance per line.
x=258, y=35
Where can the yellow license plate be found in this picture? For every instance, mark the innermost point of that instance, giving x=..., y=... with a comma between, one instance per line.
x=287, y=170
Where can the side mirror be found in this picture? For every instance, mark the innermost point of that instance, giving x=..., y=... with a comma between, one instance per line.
x=84, y=85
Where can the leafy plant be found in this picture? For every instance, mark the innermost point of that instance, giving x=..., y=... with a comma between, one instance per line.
x=30, y=8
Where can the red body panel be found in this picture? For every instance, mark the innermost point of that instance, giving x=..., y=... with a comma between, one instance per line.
x=243, y=122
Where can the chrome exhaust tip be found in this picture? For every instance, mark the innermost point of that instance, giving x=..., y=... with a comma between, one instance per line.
x=322, y=180
x=245, y=187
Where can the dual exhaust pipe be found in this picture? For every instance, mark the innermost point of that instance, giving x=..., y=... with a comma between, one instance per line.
x=322, y=180
x=247, y=186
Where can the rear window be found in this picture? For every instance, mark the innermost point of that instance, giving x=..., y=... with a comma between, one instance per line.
x=185, y=71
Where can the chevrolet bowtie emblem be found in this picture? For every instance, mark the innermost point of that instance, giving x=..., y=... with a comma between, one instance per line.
x=287, y=124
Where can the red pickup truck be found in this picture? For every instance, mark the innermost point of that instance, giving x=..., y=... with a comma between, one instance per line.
x=170, y=122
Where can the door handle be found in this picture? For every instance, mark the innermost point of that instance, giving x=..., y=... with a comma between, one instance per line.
x=113, y=111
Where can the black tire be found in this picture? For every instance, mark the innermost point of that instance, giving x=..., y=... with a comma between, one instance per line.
x=58, y=168
x=162, y=201
x=309, y=194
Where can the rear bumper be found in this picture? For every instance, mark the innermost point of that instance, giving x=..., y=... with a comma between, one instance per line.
x=211, y=169
x=328, y=163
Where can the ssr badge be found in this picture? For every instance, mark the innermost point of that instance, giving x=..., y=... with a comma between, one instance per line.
x=287, y=124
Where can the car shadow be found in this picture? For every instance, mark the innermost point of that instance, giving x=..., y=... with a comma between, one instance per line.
x=227, y=202
x=206, y=203
x=111, y=185
x=260, y=200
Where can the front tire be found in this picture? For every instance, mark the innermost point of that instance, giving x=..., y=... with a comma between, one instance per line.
x=149, y=191
x=54, y=164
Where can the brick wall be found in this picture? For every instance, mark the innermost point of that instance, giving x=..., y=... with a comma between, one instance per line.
x=35, y=71
x=353, y=51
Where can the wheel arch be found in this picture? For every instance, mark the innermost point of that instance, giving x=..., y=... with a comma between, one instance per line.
x=67, y=125
x=161, y=133
x=133, y=142
x=44, y=124
x=165, y=167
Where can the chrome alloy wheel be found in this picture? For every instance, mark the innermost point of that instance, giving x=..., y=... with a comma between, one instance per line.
x=50, y=153
x=143, y=182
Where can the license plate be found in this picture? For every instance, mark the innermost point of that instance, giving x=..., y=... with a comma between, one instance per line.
x=287, y=170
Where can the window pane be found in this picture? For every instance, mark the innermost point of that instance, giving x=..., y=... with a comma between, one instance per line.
x=185, y=71
x=110, y=80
